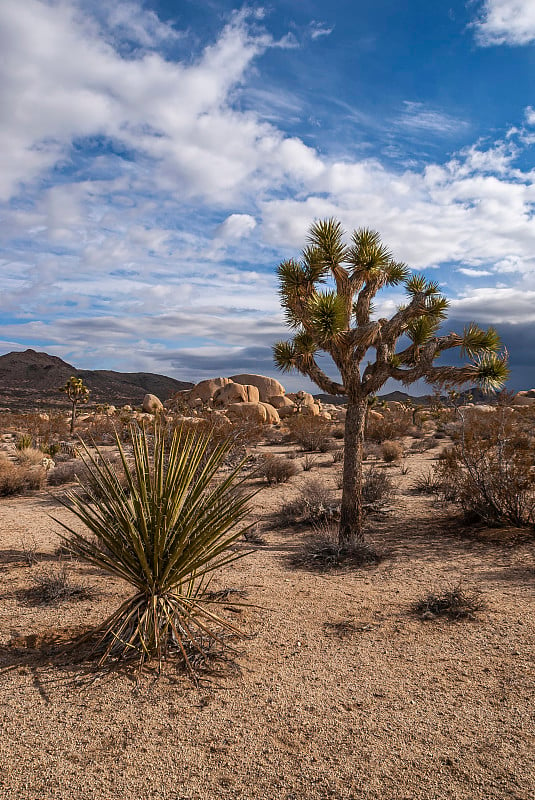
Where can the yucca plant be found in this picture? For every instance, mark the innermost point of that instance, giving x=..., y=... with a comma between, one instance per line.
x=164, y=529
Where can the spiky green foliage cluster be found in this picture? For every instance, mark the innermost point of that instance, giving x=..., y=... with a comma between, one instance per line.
x=163, y=531
x=337, y=319
x=76, y=390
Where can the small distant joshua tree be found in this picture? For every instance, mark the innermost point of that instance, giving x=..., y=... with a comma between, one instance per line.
x=77, y=392
x=338, y=320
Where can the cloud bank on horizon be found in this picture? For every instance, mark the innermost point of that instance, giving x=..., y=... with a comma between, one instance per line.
x=156, y=168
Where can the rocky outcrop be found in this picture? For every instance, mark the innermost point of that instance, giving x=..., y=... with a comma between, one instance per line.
x=259, y=413
x=284, y=405
x=235, y=393
x=205, y=390
x=267, y=387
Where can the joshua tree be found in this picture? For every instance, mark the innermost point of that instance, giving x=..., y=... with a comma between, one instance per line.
x=338, y=320
x=77, y=392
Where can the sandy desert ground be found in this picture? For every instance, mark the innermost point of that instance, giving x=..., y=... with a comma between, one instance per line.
x=339, y=691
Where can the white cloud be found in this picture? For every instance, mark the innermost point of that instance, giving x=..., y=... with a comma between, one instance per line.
x=319, y=29
x=530, y=115
x=474, y=273
x=509, y=22
x=494, y=306
x=75, y=84
x=416, y=117
x=236, y=226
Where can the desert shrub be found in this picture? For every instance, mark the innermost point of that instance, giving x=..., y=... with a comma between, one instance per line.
x=102, y=429
x=17, y=478
x=311, y=433
x=454, y=603
x=308, y=462
x=393, y=424
x=377, y=487
x=44, y=429
x=24, y=442
x=276, y=469
x=338, y=455
x=338, y=432
x=489, y=472
x=422, y=445
x=65, y=472
x=55, y=585
x=391, y=451
x=173, y=528
x=314, y=503
x=30, y=456
x=53, y=449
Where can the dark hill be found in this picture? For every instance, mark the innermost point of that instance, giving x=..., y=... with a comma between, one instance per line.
x=31, y=379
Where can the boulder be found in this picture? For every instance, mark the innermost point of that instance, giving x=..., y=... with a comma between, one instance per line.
x=152, y=405
x=260, y=413
x=178, y=400
x=310, y=411
x=248, y=412
x=267, y=387
x=272, y=416
x=235, y=393
x=302, y=399
x=205, y=390
x=279, y=401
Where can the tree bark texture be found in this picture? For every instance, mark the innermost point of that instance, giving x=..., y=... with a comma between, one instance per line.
x=351, y=514
x=73, y=416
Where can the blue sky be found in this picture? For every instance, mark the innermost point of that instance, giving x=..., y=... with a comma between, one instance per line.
x=160, y=158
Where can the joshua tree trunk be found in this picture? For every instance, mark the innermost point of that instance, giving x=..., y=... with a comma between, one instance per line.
x=351, y=514
x=73, y=416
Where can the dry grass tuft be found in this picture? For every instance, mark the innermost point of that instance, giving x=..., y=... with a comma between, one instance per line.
x=454, y=603
x=55, y=586
x=322, y=552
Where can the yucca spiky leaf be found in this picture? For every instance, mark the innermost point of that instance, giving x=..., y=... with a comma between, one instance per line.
x=164, y=531
x=315, y=268
x=304, y=344
x=491, y=371
x=418, y=284
x=327, y=238
x=421, y=329
x=476, y=341
x=436, y=307
x=396, y=272
x=284, y=355
x=368, y=254
x=327, y=315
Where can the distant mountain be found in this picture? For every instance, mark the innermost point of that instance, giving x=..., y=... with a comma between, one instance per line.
x=31, y=379
x=474, y=395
